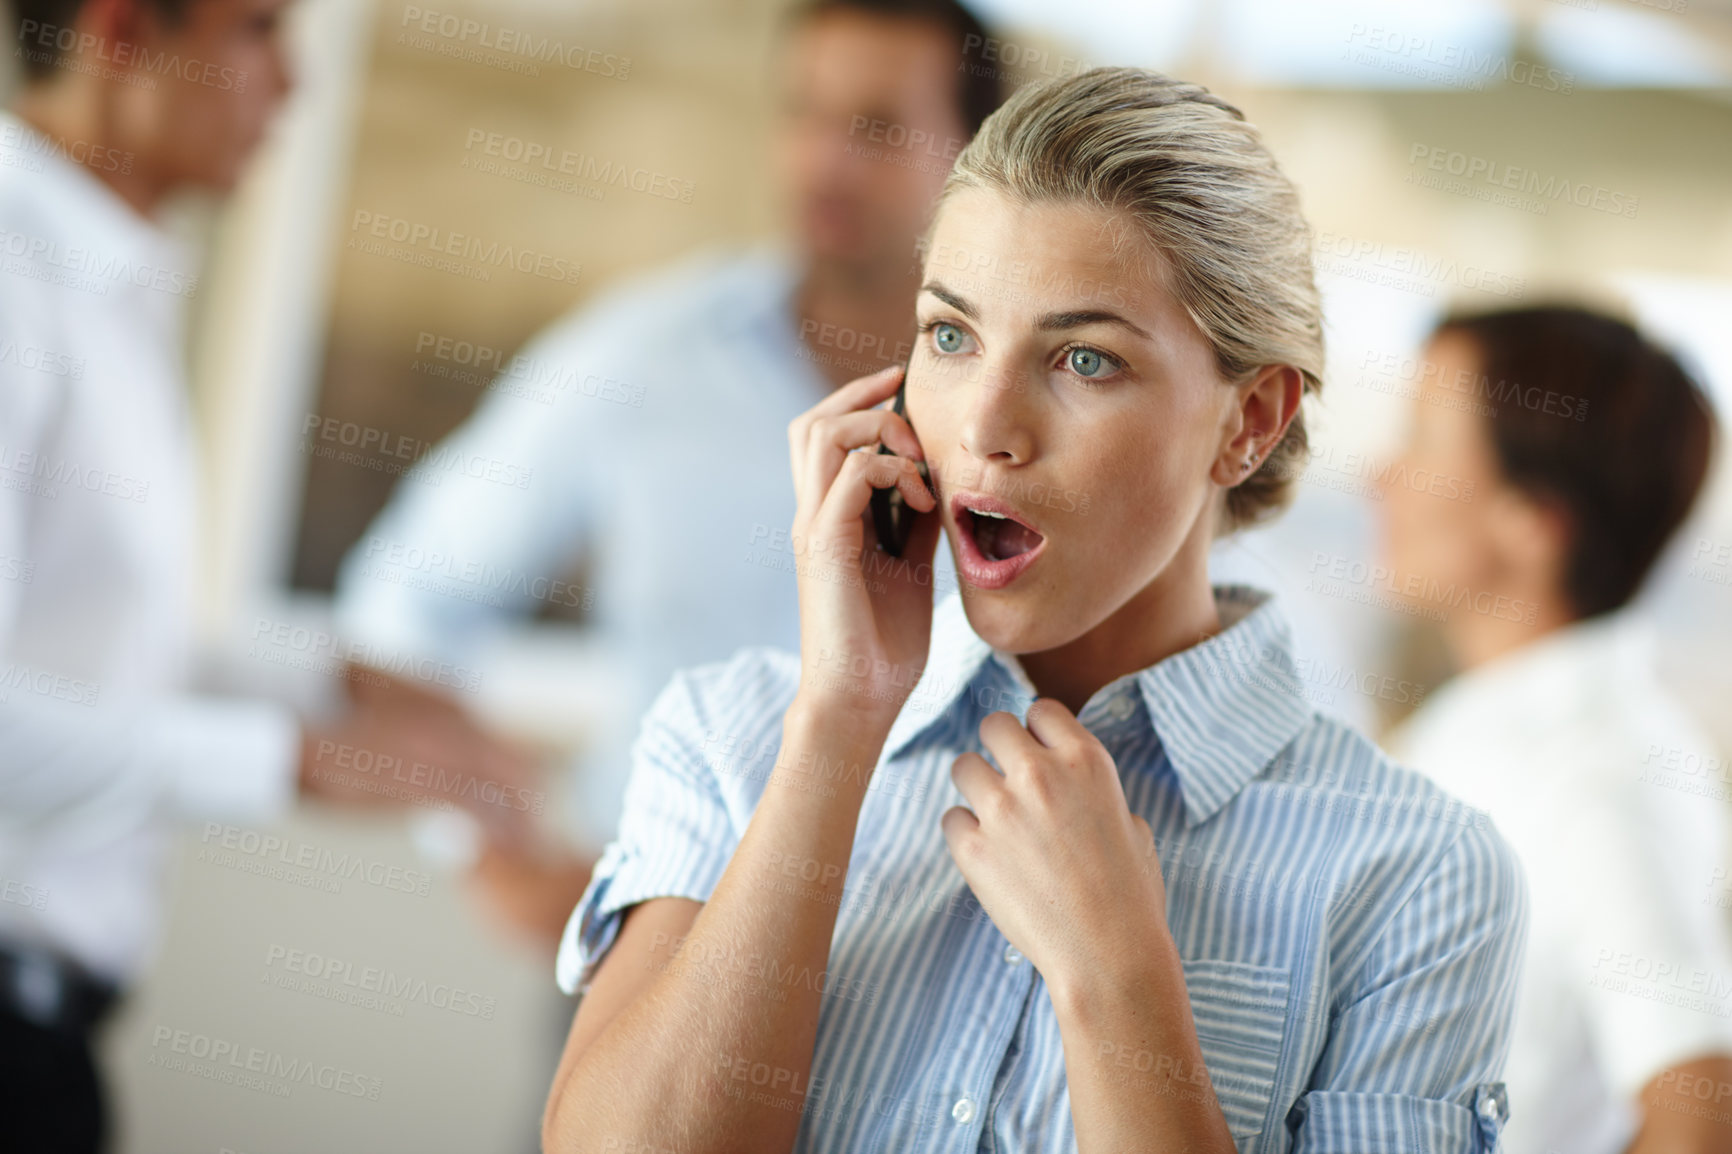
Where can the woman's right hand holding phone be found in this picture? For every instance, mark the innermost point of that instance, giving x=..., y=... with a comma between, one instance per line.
x=865, y=616
x=865, y=626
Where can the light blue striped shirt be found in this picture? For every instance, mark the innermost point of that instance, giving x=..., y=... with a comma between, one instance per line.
x=1350, y=934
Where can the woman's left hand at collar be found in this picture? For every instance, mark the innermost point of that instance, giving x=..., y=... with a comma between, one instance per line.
x=1052, y=851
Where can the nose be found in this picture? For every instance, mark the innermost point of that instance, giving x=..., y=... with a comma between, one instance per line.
x=996, y=426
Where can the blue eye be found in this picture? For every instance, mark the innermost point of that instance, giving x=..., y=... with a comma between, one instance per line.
x=948, y=336
x=1086, y=362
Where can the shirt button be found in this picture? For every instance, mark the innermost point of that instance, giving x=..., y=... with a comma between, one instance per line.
x=963, y=1111
x=1121, y=707
x=1012, y=955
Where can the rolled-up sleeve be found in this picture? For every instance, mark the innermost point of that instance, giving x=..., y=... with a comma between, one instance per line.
x=1416, y=1057
x=675, y=836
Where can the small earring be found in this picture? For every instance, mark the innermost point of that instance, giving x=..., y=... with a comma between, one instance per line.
x=1246, y=467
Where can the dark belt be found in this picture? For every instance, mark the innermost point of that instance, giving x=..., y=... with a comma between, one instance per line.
x=48, y=989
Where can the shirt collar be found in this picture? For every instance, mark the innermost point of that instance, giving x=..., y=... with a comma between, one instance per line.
x=1222, y=708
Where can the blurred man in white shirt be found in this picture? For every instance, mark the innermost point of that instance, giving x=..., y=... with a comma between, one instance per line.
x=102, y=742
x=686, y=374
x=1586, y=447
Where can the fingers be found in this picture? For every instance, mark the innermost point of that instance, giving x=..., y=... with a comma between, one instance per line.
x=960, y=828
x=1012, y=746
x=832, y=439
x=855, y=395
x=922, y=544
x=859, y=393
x=1054, y=725
x=867, y=427
x=983, y=788
x=1047, y=724
x=976, y=780
x=852, y=490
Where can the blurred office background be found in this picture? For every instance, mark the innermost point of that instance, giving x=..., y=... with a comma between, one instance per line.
x=295, y=324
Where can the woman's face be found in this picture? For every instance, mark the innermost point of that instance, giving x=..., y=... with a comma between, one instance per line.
x=1436, y=532
x=1055, y=381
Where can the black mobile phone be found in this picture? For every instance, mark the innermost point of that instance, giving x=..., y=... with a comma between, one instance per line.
x=892, y=516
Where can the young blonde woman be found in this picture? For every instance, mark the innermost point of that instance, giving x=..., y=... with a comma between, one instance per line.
x=1066, y=863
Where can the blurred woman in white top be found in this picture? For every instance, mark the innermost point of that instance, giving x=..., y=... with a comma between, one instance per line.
x=1586, y=447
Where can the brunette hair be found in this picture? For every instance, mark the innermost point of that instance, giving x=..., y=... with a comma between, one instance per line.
x=1582, y=411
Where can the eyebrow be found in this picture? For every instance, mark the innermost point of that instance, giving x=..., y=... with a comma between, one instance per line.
x=1071, y=319
x=950, y=298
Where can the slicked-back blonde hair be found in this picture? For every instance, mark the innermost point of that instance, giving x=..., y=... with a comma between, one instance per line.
x=1197, y=181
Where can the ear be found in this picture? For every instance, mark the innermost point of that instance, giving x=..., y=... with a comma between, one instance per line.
x=1530, y=538
x=1262, y=408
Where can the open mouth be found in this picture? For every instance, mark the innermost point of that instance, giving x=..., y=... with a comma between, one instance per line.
x=995, y=545
x=998, y=536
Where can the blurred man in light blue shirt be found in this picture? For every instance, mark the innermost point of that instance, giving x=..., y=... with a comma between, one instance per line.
x=661, y=463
